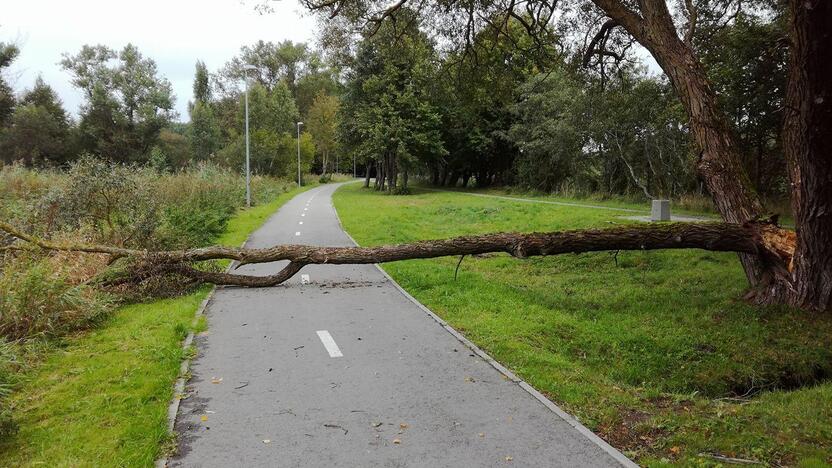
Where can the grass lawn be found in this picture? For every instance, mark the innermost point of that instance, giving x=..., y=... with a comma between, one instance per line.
x=100, y=398
x=655, y=351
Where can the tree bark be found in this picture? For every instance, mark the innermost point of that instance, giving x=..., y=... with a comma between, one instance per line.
x=380, y=173
x=367, y=168
x=760, y=238
x=807, y=138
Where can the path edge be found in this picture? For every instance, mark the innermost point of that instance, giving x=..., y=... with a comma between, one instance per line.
x=569, y=419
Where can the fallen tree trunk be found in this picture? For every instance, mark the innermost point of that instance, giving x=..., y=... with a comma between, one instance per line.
x=760, y=238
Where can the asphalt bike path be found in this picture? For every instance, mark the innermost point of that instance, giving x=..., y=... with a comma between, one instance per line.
x=340, y=367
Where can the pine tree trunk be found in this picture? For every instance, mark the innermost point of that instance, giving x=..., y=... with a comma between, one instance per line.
x=807, y=141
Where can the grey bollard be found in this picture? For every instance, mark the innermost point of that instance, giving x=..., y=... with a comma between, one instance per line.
x=660, y=210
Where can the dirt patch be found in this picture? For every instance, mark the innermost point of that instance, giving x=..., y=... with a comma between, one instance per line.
x=629, y=433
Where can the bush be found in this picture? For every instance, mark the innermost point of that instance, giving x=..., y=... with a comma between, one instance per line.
x=113, y=201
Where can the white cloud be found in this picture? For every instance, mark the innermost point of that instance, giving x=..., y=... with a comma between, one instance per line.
x=175, y=33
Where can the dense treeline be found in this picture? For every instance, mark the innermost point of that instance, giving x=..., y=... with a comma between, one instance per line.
x=128, y=116
x=507, y=110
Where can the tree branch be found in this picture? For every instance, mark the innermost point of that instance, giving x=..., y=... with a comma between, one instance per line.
x=754, y=237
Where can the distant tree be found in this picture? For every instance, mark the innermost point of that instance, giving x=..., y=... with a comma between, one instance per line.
x=393, y=119
x=275, y=63
x=39, y=132
x=322, y=124
x=127, y=104
x=202, y=87
x=272, y=117
x=272, y=109
x=204, y=132
x=318, y=77
x=547, y=132
x=8, y=53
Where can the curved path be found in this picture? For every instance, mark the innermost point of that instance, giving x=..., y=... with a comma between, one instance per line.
x=348, y=370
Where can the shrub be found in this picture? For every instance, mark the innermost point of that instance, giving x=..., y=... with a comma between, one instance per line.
x=110, y=199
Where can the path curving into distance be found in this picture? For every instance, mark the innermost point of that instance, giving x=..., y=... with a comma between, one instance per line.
x=349, y=371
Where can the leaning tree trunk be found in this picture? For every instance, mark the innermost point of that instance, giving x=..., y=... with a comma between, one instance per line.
x=807, y=141
x=719, y=162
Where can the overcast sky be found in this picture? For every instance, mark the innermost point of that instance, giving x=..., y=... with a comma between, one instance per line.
x=174, y=33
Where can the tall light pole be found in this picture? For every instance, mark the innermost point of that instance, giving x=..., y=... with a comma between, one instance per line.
x=299, y=124
x=246, y=68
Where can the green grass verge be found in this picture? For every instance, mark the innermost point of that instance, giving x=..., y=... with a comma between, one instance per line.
x=649, y=349
x=100, y=398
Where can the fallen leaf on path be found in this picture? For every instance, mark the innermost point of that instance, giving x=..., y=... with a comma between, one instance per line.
x=403, y=426
x=204, y=418
x=376, y=424
x=397, y=441
x=481, y=434
x=216, y=379
x=508, y=459
x=267, y=441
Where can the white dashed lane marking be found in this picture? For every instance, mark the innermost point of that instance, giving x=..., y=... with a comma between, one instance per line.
x=329, y=344
x=297, y=233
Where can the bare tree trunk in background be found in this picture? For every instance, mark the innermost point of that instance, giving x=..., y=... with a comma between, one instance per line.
x=380, y=176
x=807, y=141
x=367, y=167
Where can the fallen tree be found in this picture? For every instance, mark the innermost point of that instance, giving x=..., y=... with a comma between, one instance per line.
x=762, y=238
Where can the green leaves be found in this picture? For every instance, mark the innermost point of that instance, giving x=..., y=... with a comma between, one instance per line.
x=127, y=104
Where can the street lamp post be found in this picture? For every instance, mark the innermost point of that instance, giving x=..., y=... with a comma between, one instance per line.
x=246, y=68
x=299, y=181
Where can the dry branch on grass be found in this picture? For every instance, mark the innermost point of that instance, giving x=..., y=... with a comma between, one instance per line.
x=763, y=238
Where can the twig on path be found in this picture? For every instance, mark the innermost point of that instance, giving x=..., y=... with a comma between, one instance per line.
x=335, y=426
